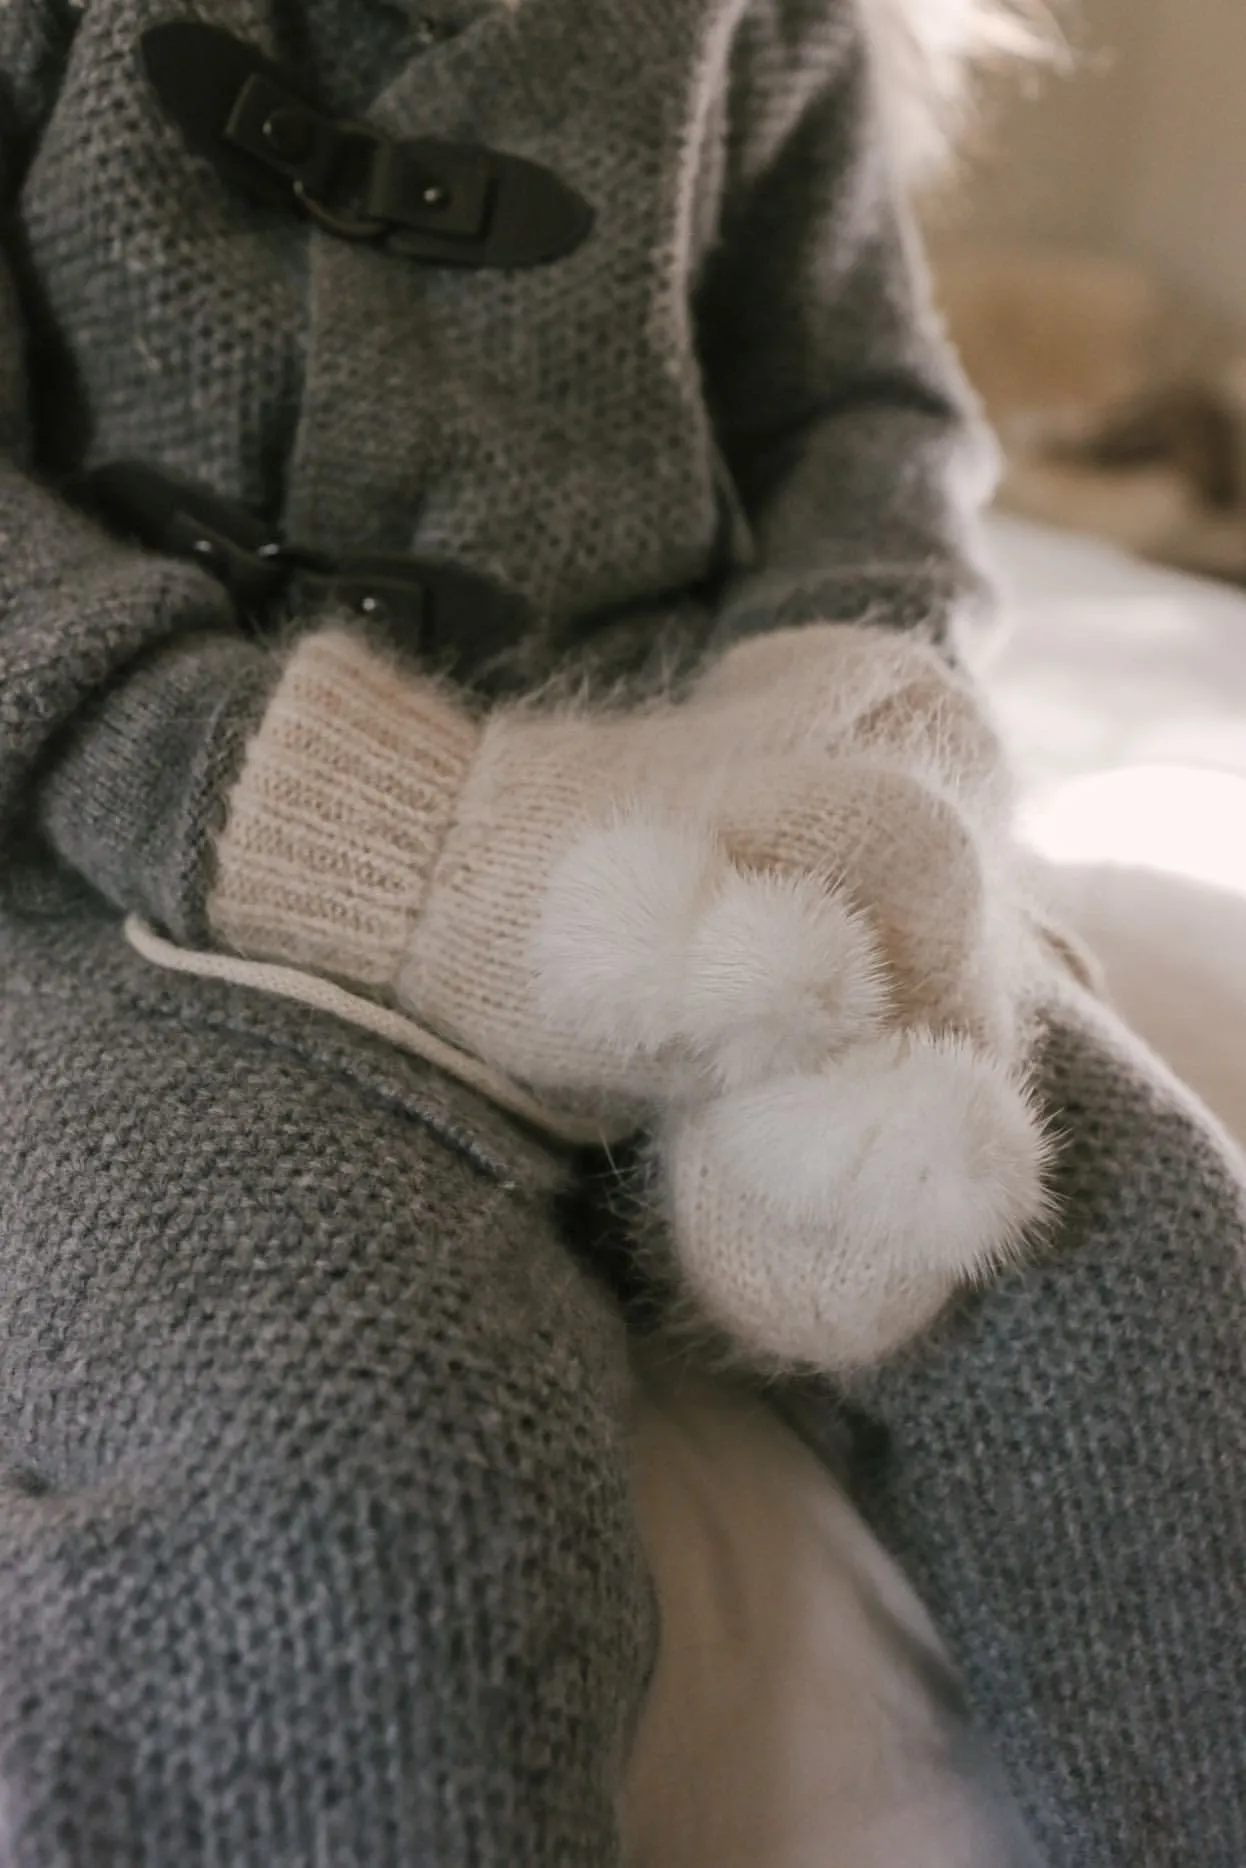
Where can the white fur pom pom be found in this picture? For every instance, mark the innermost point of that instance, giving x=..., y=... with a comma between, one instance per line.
x=781, y=976
x=611, y=946
x=821, y=1221
x=651, y=943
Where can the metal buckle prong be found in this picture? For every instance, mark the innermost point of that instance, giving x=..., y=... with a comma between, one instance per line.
x=341, y=221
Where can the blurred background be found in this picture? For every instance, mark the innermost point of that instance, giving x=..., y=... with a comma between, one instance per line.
x=1090, y=257
x=1140, y=152
x=1092, y=262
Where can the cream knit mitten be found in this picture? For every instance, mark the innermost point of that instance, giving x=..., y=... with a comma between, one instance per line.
x=775, y=923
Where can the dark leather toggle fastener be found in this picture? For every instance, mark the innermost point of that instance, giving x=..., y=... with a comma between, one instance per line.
x=185, y=520
x=450, y=204
x=455, y=619
x=289, y=133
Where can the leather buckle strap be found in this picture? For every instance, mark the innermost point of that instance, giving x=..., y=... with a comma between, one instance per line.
x=182, y=519
x=445, y=203
x=414, y=181
x=455, y=619
x=323, y=161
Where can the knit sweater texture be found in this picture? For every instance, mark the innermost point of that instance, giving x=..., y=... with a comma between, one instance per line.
x=683, y=421
x=316, y=1547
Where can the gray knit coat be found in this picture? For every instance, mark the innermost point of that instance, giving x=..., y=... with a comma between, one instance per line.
x=315, y=1544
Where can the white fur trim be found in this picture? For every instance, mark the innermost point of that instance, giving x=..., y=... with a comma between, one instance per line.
x=782, y=974
x=823, y=1220
x=651, y=943
x=611, y=943
x=926, y=52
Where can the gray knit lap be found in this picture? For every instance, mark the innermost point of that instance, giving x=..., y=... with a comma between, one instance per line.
x=1063, y=1473
x=315, y=1545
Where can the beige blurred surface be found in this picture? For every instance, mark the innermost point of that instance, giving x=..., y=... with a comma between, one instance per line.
x=1141, y=153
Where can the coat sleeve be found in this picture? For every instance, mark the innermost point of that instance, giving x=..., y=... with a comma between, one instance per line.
x=848, y=433
x=124, y=684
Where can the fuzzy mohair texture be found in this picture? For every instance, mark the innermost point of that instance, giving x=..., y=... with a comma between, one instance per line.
x=838, y=1178
x=776, y=923
x=774, y=926
x=856, y=1142
x=848, y=1176
x=928, y=53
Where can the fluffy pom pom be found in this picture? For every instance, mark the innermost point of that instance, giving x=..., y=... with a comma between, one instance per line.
x=781, y=974
x=651, y=944
x=611, y=944
x=822, y=1220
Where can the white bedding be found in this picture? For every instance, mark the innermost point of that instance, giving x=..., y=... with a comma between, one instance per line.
x=1123, y=696
x=784, y=1731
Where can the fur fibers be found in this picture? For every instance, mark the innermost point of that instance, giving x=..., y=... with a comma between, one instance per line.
x=651, y=938
x=830, y=1180
x=927, y=53
x=826, y=957
x=774, y=923
x=902, y=1171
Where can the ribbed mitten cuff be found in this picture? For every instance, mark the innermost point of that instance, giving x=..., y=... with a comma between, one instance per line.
x=342, y=805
